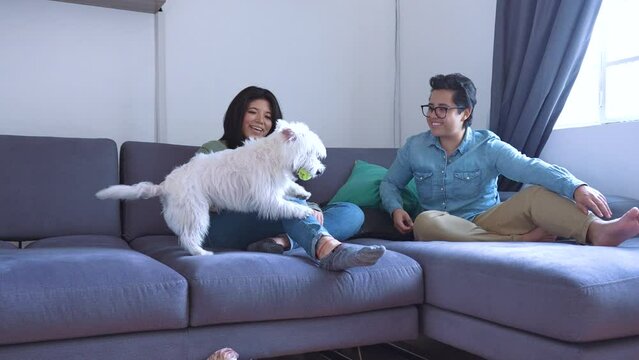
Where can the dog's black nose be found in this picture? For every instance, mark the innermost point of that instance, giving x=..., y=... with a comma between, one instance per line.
x=319, y=172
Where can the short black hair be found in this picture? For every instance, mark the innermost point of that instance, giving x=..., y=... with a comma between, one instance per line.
x=233, y=136
x=464, y=91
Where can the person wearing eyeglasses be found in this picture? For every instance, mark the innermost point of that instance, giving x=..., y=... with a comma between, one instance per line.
x=456, y=169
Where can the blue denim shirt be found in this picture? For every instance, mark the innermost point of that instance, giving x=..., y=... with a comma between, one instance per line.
x=465, y=183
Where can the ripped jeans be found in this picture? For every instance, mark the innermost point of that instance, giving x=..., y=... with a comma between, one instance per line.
x=234, y=230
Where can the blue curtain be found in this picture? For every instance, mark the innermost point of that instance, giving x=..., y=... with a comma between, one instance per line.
x=539, y=46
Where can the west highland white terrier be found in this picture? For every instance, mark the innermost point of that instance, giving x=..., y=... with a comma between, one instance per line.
x=255, y=177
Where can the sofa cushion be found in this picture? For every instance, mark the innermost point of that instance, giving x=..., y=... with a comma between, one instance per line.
x=563, y=291
x=339, y=164
x=49, y=185
x=240, y=286
x=7, y=245
x=620, y=204
x=362, y=188
x=143, y=161
x=379, y=224
x=79, y=286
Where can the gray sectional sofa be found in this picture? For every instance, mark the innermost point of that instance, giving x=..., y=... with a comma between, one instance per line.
x=107, y=280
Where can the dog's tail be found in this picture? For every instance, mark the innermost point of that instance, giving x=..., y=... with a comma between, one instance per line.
x=143, y=190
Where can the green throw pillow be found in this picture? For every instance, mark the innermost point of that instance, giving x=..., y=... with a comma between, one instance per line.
x=362, y=188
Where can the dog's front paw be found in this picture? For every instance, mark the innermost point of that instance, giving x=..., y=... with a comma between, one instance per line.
x=303, y=211
x=303, y=195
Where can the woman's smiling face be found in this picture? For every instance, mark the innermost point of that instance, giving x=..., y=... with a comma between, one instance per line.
x=257, y=120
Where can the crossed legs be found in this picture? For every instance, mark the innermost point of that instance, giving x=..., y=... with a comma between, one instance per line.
x=533, y=214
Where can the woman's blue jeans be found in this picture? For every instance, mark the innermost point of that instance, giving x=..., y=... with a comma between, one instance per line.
x=233, y=230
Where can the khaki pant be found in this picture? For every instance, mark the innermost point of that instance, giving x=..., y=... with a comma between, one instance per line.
x=528, y=209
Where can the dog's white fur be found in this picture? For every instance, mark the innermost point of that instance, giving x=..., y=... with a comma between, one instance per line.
x=255, y=177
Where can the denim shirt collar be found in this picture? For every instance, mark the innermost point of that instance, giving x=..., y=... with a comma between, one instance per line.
x=463, y=146
x=466, y=141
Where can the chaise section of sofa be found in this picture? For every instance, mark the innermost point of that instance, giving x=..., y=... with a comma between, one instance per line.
x=75, y=280
x=517, y=300
x=529, y=300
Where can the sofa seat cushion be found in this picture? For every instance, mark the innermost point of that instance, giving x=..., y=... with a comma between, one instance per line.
x=5, y=245
x=569, y=292
x=78, y=286
x=240, y=286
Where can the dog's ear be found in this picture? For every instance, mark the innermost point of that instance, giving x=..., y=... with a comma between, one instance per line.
x=289, y=134
x=281, y=124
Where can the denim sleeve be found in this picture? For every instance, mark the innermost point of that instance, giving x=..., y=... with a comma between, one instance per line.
x=516, y=166
x=396, y=179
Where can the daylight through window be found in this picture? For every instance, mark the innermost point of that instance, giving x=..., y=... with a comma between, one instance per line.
x=606, y=87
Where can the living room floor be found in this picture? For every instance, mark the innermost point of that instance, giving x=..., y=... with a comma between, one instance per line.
x=421, y=349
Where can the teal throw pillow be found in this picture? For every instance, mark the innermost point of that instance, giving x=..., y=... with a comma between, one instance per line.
x=362, y=188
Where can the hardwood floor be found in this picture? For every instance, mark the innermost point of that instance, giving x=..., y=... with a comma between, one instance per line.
x=421, y=349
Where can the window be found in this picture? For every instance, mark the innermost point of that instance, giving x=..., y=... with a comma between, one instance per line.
x=605, y=90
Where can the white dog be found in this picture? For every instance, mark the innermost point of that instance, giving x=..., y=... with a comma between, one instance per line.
x=255, y=177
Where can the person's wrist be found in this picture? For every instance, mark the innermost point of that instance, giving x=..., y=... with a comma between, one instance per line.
x=577, y=188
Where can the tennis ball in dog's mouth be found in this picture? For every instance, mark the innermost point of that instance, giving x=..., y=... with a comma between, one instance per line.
x=303, y=174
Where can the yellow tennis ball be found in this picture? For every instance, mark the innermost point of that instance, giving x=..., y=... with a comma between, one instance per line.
x=303, y=174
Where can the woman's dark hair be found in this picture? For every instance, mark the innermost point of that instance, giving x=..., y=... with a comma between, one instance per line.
x=234, y=116
x=464, y=91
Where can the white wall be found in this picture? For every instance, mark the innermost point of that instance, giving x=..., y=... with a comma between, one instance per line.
x=76, y=71
x=330, y=64
x=442, y=37
x=603, y=156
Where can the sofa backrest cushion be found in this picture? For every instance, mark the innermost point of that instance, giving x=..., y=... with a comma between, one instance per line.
x=339, y=163
x=49, y=185
x=144, y=161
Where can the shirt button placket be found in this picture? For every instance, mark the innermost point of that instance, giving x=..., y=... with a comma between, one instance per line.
x=443, y=187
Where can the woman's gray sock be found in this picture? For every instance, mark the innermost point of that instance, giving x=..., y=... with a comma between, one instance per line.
x=346, y=256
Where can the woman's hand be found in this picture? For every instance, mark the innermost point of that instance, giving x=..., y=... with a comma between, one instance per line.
x=319, y=215
x=590, y=198
x=402, y=221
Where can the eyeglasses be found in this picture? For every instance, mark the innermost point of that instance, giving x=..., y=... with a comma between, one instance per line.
x=440, y=111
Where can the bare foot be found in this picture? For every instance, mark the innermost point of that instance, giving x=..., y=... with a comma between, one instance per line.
x=614, y=232
x=538, y=234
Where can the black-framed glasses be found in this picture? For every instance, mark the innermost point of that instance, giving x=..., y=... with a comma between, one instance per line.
x=439, y=111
